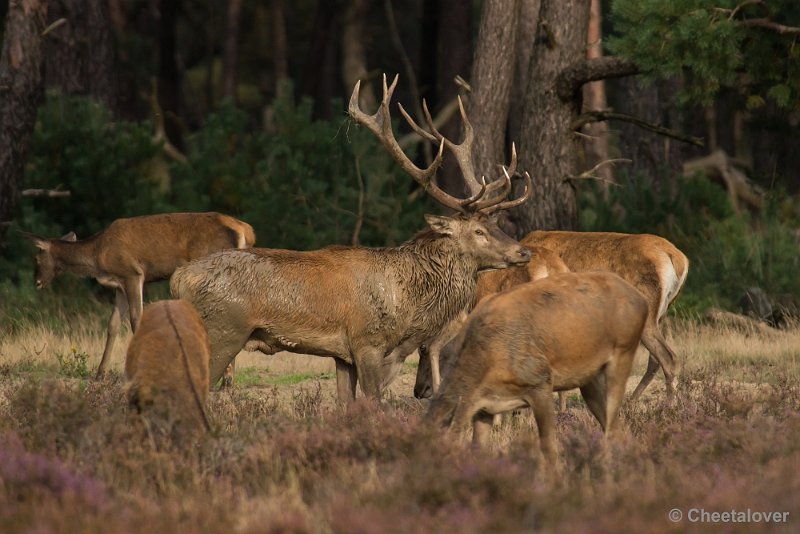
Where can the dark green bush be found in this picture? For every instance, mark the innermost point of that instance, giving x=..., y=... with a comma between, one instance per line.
x=728, y=251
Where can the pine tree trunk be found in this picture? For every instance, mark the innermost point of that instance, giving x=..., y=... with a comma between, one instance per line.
x=21, y=92
x=492, y=79
x=80, y=57
x=594, y=99
x=354, y=52
x=526, y=33
x=169, y=82
x=280, y=56
x=548, y=147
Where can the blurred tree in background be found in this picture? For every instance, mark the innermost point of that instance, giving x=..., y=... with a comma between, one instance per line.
x=238, y=106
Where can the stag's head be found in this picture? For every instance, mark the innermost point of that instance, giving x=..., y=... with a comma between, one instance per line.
x=474, y=227
x=46, y=267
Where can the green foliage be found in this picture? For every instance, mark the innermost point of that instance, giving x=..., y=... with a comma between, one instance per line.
x=73, y=364
x=728, y=251
x=712, y=45
x=299, y=184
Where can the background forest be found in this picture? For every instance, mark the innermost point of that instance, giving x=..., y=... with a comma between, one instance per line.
x=678, y=118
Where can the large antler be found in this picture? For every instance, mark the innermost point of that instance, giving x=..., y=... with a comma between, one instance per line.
x=488, y=198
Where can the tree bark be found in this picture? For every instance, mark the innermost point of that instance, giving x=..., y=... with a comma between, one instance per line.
x=21, y=92
x=320, y=76
x=80, y=56
x=354, y=52
x=594, y=99
x=230, y=54
x=526, y=33
x=548, y=146
x=453, y=58
x=492, y=79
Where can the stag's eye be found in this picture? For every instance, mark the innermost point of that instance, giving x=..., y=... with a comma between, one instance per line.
x=478, y=232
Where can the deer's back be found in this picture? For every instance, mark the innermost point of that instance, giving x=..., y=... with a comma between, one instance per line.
x=168, y=356
x=574, y=321
x=157, y=244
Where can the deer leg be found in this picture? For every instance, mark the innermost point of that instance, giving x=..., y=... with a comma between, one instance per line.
x=660, y=355
x=369, y=368
x=481, y=429
x=594, y=393
x=346, y=379
x=120, y=308
x=423, y=388
x=133, y=289
x=541, y=400
x=616, y=373
x=562, y=401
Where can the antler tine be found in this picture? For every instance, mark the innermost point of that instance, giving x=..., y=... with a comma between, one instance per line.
x=414, y=126
x=512, y=203
x=380, y=124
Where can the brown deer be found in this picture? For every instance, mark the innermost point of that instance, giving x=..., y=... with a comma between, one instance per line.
x=134, y=251
x=367, y=308
x=569, y=330
x=649, y=263
x=167, y=362
x=543, y=263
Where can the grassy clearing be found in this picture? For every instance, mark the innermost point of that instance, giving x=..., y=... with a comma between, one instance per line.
x=285, y=458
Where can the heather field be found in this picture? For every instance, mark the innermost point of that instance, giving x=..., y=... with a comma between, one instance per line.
x=285, y=458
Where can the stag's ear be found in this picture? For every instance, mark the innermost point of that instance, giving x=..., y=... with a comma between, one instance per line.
x=39, y=242
x=440, y=225
x=69, y=237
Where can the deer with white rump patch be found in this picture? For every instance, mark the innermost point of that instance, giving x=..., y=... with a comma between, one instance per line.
x=134, y=251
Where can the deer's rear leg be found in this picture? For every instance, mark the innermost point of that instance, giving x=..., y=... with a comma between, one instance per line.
x=346, y=380
x=660, y=355
x=541, y=400
x=120, y=308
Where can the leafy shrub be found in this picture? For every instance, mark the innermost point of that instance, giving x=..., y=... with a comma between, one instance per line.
x=728, y=251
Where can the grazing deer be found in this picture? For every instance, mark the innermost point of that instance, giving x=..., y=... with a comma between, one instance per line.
x=366, y=307
x=167, y=362
x=543, y=263
x=649, y=263
x=569, y=330
x=134, y=251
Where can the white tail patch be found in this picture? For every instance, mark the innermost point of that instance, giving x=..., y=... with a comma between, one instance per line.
x=671, y=284
x=242, y=241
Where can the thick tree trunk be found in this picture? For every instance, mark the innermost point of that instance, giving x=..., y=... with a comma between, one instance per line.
x=594, y=99
x=526, y=33
x=21, y=92
x=548, y=146
x=453, y=58
x=320, y=76
x=492, y=79
x=230, y=54
x=80, y=56
x=354, y=51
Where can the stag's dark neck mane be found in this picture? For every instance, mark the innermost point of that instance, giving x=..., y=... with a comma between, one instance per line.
x=438, y=277
x=77, y=257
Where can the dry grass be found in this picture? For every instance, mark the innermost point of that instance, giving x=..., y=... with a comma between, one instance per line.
x=286, y=459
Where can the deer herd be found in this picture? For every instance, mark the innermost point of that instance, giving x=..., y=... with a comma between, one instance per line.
x=499, y=324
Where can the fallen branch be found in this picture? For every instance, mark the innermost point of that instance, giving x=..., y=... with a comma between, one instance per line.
x=47, y=193
x=589, y=117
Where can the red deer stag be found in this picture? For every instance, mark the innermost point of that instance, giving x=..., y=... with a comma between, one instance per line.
x=167, y=362
x=569, y=330
x=134, y=251
x=649, y=263
x=366, y=307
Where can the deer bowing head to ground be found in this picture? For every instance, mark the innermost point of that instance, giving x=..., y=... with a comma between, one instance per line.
x=368, y=308
x=569, y=330
x=134, y=251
